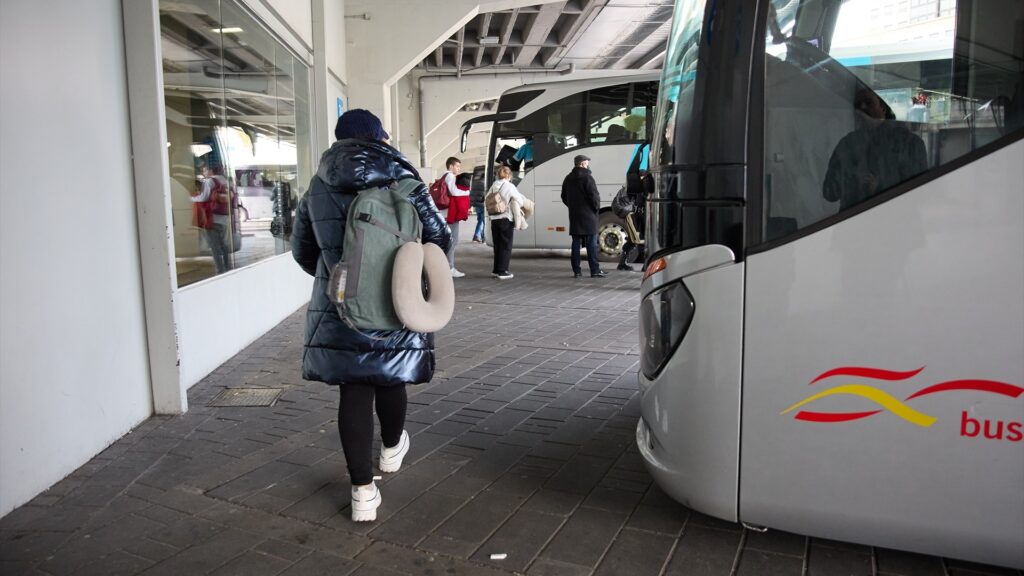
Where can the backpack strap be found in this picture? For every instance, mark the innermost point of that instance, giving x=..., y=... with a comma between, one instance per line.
x=370, y=219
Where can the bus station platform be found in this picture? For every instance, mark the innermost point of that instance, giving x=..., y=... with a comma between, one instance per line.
x=523, y=461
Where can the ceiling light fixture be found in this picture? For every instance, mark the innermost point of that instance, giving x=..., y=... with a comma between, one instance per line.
x=489, y=40
x=229, y=30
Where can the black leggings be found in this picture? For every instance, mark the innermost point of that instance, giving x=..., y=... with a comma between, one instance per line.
x=355, y=424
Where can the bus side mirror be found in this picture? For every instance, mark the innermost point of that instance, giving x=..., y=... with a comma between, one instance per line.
x=464, y=141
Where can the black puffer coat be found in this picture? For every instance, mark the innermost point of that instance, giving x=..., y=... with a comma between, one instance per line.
x=335, y=353
x=580, y=194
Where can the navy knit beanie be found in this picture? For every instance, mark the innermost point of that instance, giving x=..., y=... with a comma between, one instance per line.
x=359, y=123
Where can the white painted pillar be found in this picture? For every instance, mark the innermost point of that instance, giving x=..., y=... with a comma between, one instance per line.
x=322, y=135
x=330, y=65
x=152, y=196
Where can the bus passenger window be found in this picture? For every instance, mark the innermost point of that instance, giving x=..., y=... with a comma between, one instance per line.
x=858, y=102
x=555, y=129
x=607, y=109
x=877, y=155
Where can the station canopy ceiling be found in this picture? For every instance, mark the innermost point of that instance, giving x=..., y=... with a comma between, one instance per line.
x=590, y=34
x=239, y=74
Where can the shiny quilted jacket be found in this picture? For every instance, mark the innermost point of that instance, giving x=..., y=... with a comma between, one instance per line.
x=335, y=353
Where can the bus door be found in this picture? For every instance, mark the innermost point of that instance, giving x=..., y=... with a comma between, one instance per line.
x=883, y=380
x=501, y=151
x=552, y=217
x=691, y=311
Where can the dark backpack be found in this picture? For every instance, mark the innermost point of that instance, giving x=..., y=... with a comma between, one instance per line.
x=440, y=193
x=623, y=204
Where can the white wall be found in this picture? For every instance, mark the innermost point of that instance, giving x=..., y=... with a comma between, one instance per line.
x=73, y=361
x=334, y=16
x=334, y=60
x=297, y=14
x=219, y=317
x=334, y=91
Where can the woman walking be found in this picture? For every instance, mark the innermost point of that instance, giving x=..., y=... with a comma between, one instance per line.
x=370, y=367
x=502, y=224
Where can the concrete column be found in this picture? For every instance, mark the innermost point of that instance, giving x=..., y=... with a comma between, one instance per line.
x=153, y=201
x=321, y=107
x=331, y=67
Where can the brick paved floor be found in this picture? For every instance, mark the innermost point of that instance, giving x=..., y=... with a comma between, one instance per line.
x=523, y=444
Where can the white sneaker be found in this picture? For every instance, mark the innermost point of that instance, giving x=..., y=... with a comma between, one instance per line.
x=365, y=500
x=391, y=458
x=504, y=276
x=457, y=274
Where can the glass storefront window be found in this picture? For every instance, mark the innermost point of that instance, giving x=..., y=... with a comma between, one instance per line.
x=239, y=138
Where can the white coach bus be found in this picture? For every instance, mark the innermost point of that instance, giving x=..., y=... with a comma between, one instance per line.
x=549, y=123
x=832, y=314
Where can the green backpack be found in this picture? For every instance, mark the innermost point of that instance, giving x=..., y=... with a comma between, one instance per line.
x=379, y=222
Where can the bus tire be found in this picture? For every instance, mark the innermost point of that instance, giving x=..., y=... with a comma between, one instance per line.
x=611, y=237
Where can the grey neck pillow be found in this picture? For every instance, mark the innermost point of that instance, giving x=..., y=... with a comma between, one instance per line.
x=413, y=262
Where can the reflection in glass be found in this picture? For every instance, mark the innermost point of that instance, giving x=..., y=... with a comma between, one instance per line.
x=238, y=118
x=607, y=109
x=675, y=96
x=554, y=130
x=879, y=95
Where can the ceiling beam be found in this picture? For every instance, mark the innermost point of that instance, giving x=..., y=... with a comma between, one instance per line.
x=537, y=32
x=439, y=56
x=655, y=62
x=233, y=51
x=506, y=33
x=644, y=47
x=482, y=30
x=573, y=33
x=460, y=38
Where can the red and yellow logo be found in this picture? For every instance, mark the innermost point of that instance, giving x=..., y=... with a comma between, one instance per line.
x=888, y=402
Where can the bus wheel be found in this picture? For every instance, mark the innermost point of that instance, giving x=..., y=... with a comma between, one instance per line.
x=611, y=236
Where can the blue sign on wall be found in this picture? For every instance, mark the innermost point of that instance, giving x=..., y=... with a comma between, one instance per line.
x=341, y=107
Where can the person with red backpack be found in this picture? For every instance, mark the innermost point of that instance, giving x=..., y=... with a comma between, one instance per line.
x=214, y=198
x=458, y=207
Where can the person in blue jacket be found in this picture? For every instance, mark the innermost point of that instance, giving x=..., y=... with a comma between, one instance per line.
x=370, y=367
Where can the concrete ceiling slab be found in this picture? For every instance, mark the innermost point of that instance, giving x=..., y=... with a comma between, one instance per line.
x=595, y=34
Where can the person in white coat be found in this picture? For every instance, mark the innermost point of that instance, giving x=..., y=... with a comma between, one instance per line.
x=503, y=225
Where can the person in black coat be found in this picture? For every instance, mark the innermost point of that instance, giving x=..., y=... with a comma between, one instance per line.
x=370, y=366
x=580, y=194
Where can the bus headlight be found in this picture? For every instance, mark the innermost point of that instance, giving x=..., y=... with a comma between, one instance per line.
x=665, y=315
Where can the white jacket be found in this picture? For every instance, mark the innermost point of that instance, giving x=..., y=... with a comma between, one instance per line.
x=520, y=212
x=508, y=193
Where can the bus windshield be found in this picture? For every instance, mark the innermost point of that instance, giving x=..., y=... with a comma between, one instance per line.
x=675, y=96
x=584, y=117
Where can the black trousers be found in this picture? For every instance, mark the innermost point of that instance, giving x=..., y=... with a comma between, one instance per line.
x=355, y=424
x=501, y=235
x=590, y=242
